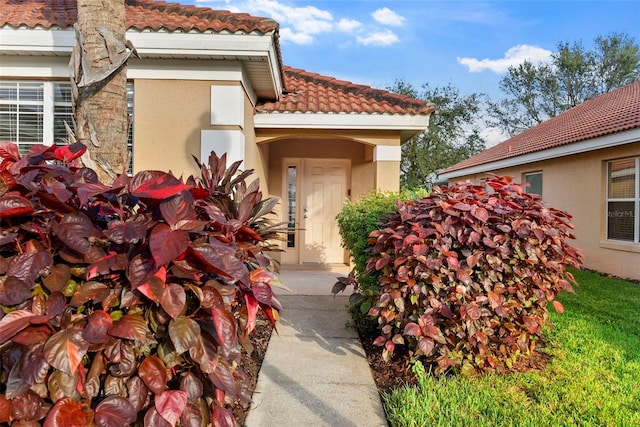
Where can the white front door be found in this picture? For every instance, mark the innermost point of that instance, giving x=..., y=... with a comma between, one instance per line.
x=323, y=191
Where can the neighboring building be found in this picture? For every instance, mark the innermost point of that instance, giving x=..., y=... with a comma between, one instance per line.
x=585, y=161
x=213, y=80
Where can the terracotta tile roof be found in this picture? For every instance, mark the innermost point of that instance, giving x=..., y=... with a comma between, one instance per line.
x=140, y=14
x=606, y=114
x=312, y=93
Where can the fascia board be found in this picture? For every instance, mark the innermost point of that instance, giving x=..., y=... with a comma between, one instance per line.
x=146, y=42
x=340, y=121
x=607, y=141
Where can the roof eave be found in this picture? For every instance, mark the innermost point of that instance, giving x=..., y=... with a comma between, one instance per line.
x=408, y=125
x=250, y=48
x=606, y=141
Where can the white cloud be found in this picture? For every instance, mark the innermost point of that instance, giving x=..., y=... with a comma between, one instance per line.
x=297, y=38
x=348, y=25
x=512, y=57
x=379, y=38
x=493, y=136
x=387, y=16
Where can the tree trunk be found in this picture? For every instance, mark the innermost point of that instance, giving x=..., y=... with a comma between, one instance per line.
x=99, y=86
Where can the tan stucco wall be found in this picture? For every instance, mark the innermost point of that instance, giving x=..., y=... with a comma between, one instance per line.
x=168, y=118
x=577, y=184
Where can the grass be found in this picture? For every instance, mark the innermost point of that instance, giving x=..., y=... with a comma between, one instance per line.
x=592, y=379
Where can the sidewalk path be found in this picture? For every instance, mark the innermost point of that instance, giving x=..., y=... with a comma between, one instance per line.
x=314, y=372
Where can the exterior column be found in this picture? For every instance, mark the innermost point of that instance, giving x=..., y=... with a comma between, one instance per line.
x=386, y=162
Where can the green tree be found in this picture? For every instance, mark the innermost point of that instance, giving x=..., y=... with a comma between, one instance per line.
x=453, y=134
x=537, y=92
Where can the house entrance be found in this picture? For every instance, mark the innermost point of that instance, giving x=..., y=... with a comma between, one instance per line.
x=322, y=185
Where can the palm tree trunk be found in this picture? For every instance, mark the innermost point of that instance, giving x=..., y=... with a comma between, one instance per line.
x=99, y=86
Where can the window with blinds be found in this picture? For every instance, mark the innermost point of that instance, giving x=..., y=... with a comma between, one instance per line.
x=36, y=113
x=623, y=200
x=22, y=113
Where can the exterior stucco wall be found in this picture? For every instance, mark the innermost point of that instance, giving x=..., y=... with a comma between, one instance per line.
x=168, y=118
x=577, y=184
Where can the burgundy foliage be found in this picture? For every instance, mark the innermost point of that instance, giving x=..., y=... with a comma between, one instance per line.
x=467, y=274
x=127, y=303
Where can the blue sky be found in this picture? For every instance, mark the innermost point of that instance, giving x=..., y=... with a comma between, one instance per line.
x=466, y=43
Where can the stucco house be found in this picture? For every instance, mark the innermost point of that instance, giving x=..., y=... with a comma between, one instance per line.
x=585, y=161
x=214, y=80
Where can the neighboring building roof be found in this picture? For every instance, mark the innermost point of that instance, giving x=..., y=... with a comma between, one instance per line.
x=307, y=92
x=140, y=14
x=607, y=114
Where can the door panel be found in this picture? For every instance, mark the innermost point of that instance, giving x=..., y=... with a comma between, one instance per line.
x=324, y=187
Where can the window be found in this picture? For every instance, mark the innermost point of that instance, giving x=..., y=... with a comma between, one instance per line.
x=292, y=176
x=534, y=179
x=35, y=113
x=623, y=200
x=22, y=114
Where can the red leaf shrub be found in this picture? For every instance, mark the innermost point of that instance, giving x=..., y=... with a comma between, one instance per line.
x=467, y=274
x=127, y=303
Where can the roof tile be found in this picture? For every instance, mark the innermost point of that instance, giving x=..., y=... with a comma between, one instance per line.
x=312, y=93
x=140, y=14
x=606, y=114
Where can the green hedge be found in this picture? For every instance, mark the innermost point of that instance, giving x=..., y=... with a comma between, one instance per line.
x=358, y=219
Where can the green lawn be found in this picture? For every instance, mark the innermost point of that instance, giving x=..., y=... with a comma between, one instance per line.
x=593, y=378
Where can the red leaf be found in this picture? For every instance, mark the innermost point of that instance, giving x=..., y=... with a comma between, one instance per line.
x=67, y=153
x=65, y=349
x=5, y=409
x=131, y=326
x=480, y=213
x=222, y=378
x=89, y=291
x=174, y=300
x=184, y=333
x=13, y=322
x=177, y=209
x=74, y=229
x=171, y=404
x=14, y=291
x=191, y=417
x=262, y=292
x=156, y=185
x=426, y=345
x=379, y=341
x=532, y=324
x=141, y=269
x=252, y=313
x=217, y=260
x=131, y=231
x=222, y=417
x=14, y=206
x=473, y=311
x=98, y=324
x=225, y=326
x=154, y=289
x=191, y=384
x=68, y=413
x=104, y=265
x=412, y=329
x=153, y=419
x=114, y=411
x=58, y=278
x=9, y=150
x=154, y=374
x=558, y=306
x=167, y=244
x=29, y=407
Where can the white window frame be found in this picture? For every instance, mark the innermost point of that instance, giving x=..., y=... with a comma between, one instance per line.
x=635, y=199
x=48, y=111
x=527, y=188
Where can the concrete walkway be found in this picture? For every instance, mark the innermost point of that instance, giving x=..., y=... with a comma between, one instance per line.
x=314, y=372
